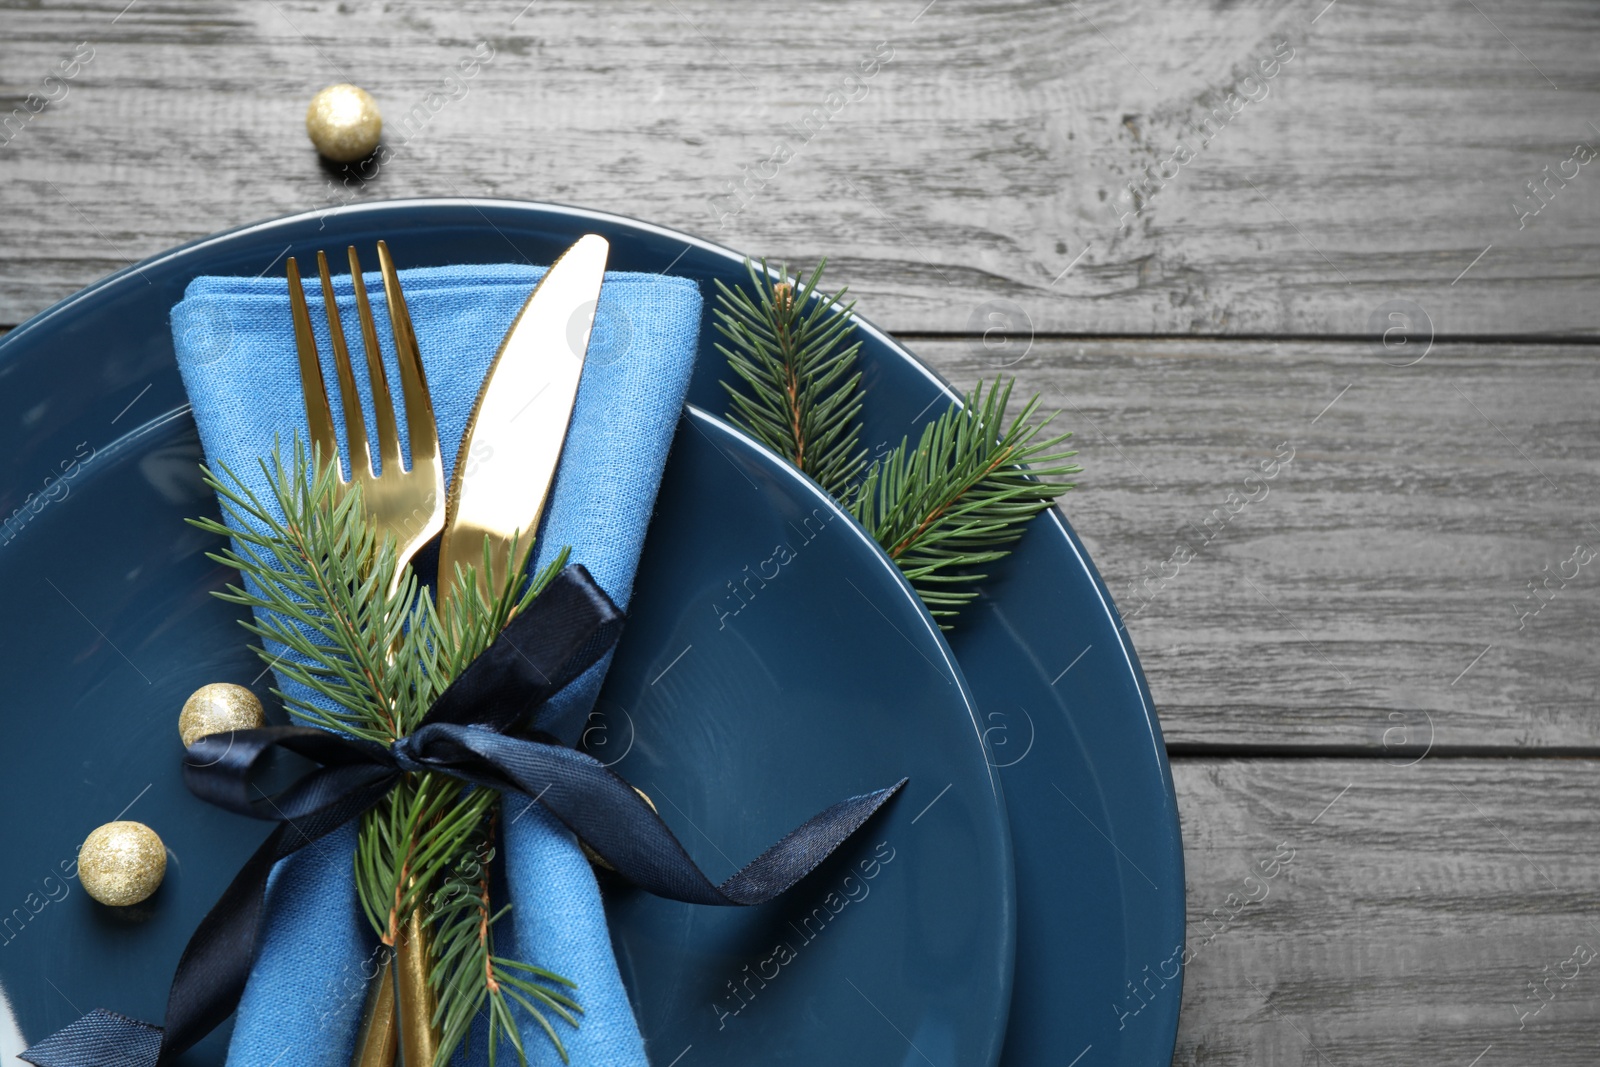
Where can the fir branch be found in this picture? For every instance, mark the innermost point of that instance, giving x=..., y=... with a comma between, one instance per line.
x=318, y=577
x=802, y=391
x=939, y=511
x=468, y=976
x=962, y=495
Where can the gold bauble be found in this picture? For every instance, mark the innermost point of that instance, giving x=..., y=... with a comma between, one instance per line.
x=218, y=708
x=343, y=122
x=122, y=863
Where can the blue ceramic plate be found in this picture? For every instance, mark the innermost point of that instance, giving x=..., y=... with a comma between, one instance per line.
x=1068, y=720
x=740, y=718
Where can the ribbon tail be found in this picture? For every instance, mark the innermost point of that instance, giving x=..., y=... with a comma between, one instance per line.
x=99, y=1039
x=652, y=857
x=799, y=852
x=609, y=815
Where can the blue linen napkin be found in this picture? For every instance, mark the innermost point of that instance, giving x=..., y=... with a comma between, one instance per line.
x=235, y=348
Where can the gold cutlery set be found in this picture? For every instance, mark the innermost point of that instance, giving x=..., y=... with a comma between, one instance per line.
x=517, y=428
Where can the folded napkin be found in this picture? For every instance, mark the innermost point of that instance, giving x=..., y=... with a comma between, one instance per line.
x=235, y=347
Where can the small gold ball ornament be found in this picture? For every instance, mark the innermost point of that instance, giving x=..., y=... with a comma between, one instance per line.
x=122, y=863
x=218, y=708
x=344, y=123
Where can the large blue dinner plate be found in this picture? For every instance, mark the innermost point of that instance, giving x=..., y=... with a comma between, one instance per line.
x=1068, y=721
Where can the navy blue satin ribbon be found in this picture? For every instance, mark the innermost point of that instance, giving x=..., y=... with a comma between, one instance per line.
x=568, y=628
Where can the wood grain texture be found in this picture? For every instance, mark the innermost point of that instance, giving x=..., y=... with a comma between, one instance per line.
x=988, y=156
x=1419, y=904
x=1373, y=595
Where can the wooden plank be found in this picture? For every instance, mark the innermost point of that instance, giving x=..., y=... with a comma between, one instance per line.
x=1373, y=593
x=1431, y=914
x=987, y=158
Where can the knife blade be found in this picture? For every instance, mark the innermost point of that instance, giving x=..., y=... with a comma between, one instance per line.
x=518, y=426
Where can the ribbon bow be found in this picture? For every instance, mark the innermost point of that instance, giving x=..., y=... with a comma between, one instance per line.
x=466, y=734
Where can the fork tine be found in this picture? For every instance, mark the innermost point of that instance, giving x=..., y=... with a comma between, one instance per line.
x=355, y=427
x=319, y=419
x=382, y=401
x=413, y=380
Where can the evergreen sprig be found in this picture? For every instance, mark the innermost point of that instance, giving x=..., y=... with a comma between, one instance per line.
x=319, y=580
x=952, y=503
x=802, y=392
x=962, y=494
x=469, y=978
x=322, y=577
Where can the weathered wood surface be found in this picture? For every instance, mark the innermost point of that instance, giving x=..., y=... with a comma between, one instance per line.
x=986, y=156
x=1420, y=903
x=1374, y=593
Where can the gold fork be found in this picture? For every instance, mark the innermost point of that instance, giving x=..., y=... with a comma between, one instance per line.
x=408, y=505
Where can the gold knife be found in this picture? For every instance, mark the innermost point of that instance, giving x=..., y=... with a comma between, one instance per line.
x=519, y=424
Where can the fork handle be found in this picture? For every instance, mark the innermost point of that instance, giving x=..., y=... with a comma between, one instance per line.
x=419, y=1041
x=379, y=1042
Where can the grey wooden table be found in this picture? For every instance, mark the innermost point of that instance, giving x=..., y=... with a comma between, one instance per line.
x=1363, y=233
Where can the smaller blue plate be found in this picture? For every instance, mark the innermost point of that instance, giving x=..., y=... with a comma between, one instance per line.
x=741, y=718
